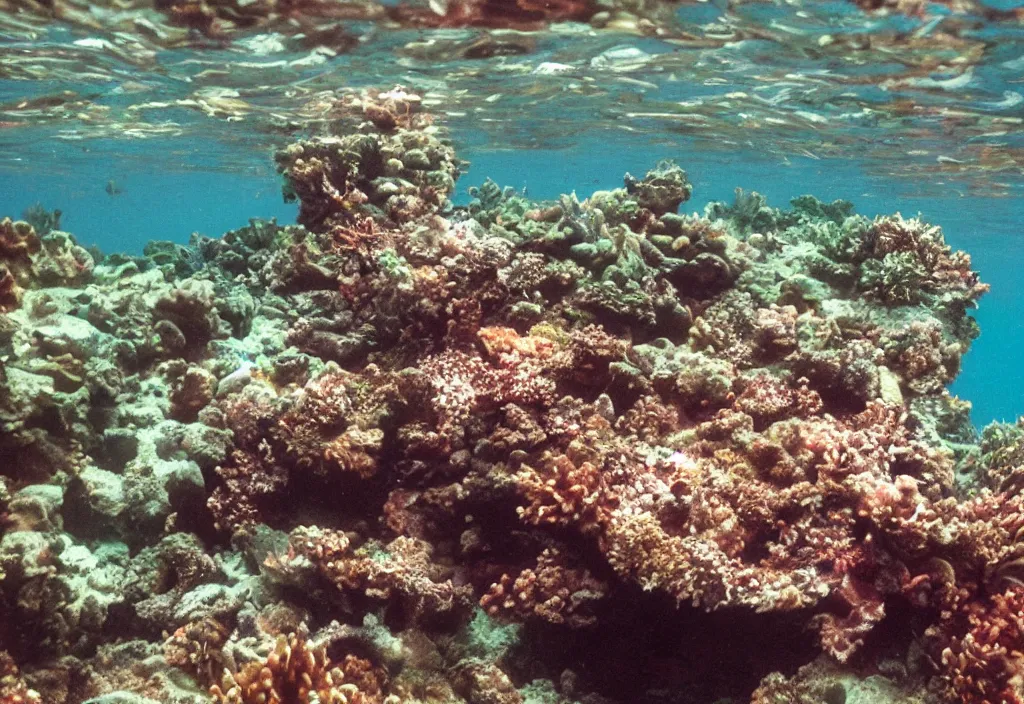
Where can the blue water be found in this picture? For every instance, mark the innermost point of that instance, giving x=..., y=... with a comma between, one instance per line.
x=989, y=229
x=793, y=100
x=164, y=194
x=185, y=196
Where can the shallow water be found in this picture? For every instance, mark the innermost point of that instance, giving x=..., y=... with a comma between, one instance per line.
x=155, y=121
x=893, y=113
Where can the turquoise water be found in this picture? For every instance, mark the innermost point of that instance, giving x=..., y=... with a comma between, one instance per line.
x=172, y=188
x=988, y=228
x=895, y=113
x=397, y=442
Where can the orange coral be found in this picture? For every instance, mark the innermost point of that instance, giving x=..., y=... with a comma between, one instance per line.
x=13, y=689
x=563, y=492
x=295, y=672
x=18, y=245
x=554, y=591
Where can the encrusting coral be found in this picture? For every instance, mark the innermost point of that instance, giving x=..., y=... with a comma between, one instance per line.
x=405, y=451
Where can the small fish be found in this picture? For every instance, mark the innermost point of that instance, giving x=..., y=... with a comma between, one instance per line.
x=113, y=188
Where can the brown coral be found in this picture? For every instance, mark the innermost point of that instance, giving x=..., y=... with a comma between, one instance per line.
x=554, y=590
x=197, y=648
x=18, y=246
x=295, y=672
x=13, y=689
x=402, y=571
x=947, y=271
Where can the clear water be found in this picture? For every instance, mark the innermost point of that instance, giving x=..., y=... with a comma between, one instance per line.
x=891, y=112
x=139, y=128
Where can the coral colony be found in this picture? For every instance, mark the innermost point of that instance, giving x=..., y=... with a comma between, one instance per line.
x=589, y=451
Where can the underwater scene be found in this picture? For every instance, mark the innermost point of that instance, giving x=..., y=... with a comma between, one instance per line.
x=511, y=352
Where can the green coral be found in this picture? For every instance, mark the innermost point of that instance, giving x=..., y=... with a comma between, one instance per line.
x=488, y=638
x=808, y=207
x=748, y=213
x=840, y=241
x=895, y=279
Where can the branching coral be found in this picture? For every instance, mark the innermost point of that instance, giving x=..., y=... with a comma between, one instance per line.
x=401, y=571
x=318, y=433
x=462, y=385
x=295, y=672
x=552, y=590
x=564, y=492
x=249, y=482
x=13, y=689
x=983, y=663
x=910, y=258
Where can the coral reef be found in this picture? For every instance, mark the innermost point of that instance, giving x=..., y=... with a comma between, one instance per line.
x=588, y=450
x=294, y=671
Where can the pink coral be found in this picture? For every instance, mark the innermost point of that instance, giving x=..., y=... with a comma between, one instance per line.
x=767, y=399
x=250, y=482
x=553, y=590
x=462, y=385
x=947, y=271
x=402, y=570
x=984, y=663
